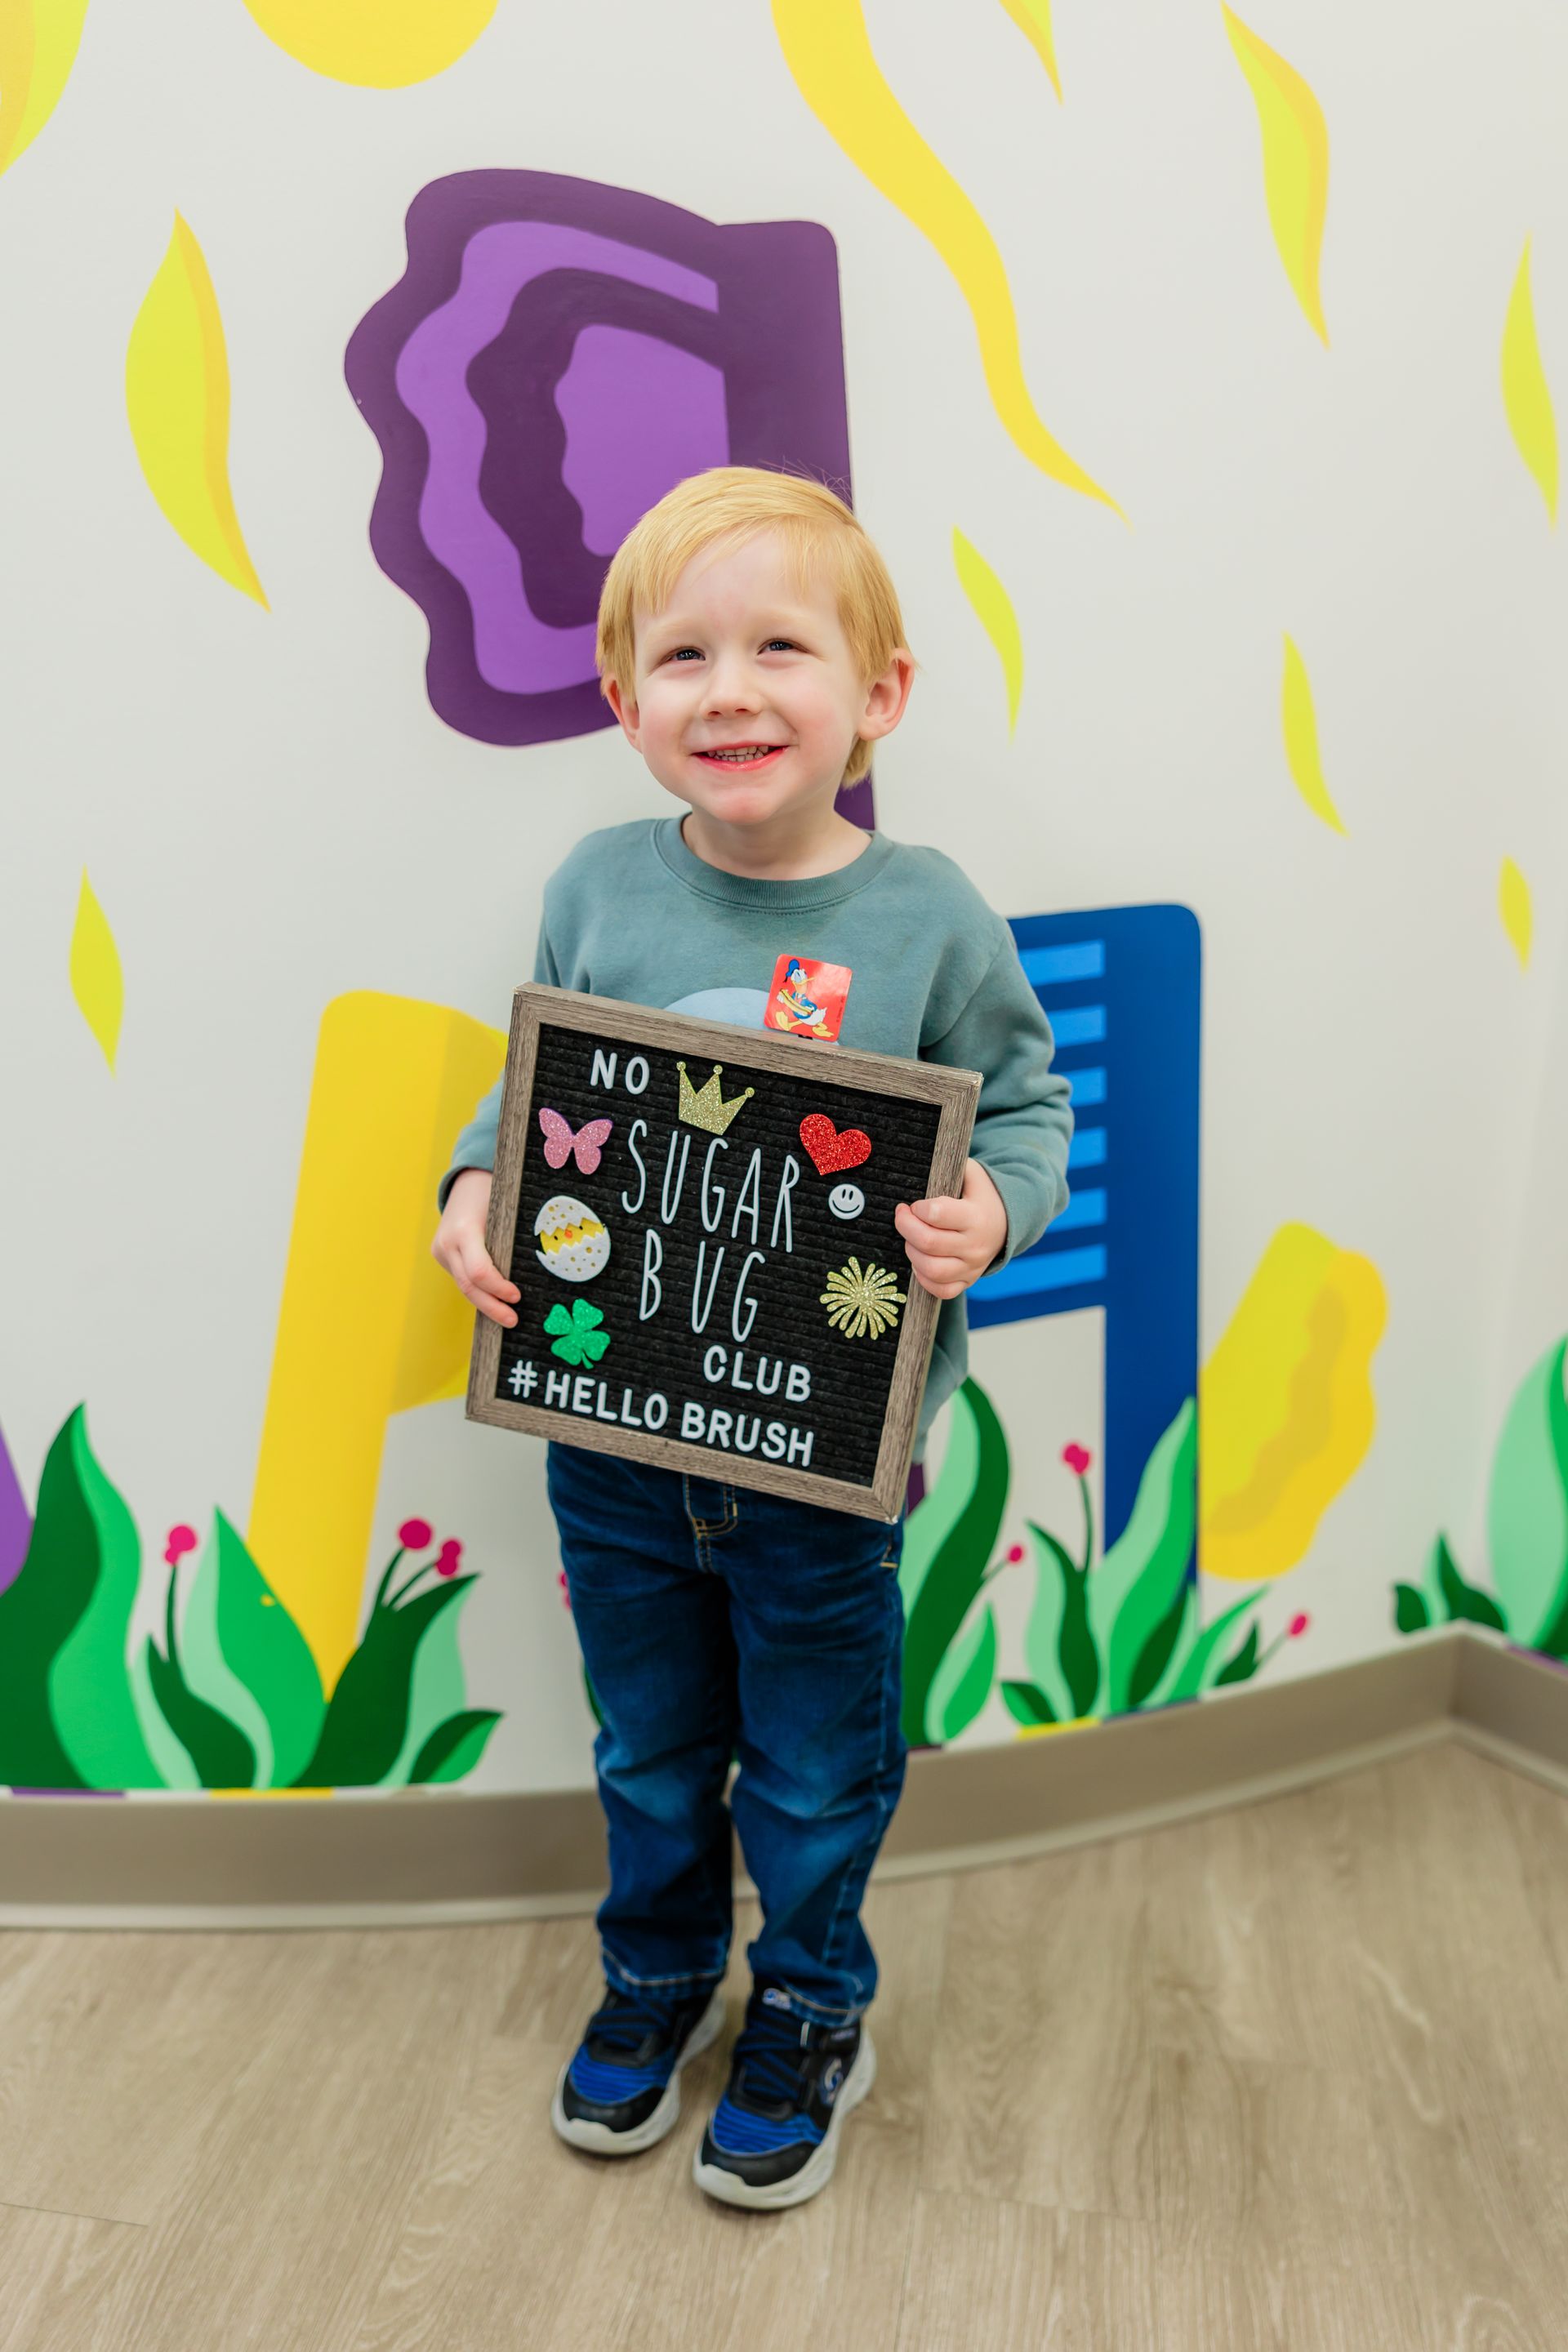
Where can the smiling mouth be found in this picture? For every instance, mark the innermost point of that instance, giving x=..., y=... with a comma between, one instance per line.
x=741, y=755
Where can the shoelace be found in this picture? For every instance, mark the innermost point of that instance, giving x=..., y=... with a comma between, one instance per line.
x=623, y=2022
x=768, y=2051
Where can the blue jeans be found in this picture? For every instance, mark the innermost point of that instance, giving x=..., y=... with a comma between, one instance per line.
x=716, y=1621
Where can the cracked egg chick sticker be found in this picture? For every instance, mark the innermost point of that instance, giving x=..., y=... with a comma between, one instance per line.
x=572, y=1244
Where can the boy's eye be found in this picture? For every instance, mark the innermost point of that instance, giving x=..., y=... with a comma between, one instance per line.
x=678, y=653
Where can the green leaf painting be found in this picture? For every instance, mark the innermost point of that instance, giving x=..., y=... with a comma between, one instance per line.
x=216, y=1753
x=89, y=1691
x=1527, y=1529
x=962, y=1684
x=76, y=1544
x=455, y=1746
x=1091, y=1625
x=1028, y=1704
x=367, y=1715
x=1099, y=1639
x=246, y=1657
x=1460, y=1599
x=1060, y=1681
x=1411, y=1614
x=1243, y=1663
x=1141, y=1577
x=232, y=1699
x=1527, y=1507
x=1160, y=1648
x=944, y=1556
x=1201, y=1666
x=436, y=1691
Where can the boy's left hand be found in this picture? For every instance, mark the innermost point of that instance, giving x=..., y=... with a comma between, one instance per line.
x=952, y=1243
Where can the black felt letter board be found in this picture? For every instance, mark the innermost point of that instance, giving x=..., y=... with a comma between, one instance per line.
x=711, y=1277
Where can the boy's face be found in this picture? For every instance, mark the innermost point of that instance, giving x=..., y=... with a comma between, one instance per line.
x=745, y=660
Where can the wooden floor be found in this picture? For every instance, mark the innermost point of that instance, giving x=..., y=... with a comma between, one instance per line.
x=1293, y=2076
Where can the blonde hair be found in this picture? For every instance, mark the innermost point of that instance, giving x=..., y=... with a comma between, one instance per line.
x=736, y=502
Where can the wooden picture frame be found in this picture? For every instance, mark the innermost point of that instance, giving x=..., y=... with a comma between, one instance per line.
x=636, y=1030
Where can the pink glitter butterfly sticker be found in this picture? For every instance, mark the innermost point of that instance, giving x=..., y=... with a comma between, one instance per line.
x=560, y=1143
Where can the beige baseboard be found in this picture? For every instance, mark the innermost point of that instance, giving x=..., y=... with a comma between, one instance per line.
x=440, y=1857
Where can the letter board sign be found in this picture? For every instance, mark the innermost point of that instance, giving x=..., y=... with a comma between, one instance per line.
x=700, y=1219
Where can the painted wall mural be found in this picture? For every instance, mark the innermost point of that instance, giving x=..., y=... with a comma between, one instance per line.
x=1527, y=396
x=97, y=980
x=1122, y=987
x=1287, y=1405
x=1515, y=909
x=39, y=42
x=1299, y=717
x=829, y=53
x=232, y=1699
x=394, y=1082
x=177, y=397
x=324, y=1691
x=378, y=44
x=556, y=356
x=1122, y=1513
x=1295, y=163
x=1527, y=1529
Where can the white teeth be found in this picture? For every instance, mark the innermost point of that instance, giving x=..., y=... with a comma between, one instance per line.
x=737, y=759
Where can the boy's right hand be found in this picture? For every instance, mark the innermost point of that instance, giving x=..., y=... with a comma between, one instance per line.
x=459, y=1247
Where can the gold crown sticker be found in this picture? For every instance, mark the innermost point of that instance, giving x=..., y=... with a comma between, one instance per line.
x=704, y=1106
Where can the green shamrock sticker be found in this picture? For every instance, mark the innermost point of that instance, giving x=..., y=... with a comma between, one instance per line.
x=580, y=1343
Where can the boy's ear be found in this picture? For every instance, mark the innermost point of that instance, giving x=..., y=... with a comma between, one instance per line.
x=624, y=710
x=886, y=697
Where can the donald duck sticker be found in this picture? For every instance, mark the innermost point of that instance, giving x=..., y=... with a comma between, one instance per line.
x=807, y=997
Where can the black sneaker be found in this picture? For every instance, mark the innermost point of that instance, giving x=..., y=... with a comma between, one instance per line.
x=620, y=2090
x=772, y=2139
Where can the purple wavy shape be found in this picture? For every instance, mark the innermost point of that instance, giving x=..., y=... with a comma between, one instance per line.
x=513, y=651
x=15, y=1521
x=673, y=341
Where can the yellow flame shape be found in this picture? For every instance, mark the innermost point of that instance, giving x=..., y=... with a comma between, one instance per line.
x=1526, y=395
x=176, y=396
x=1033, y=18
x=994, y=609
x=98, y=982
x=1295, y=162
x=376, y=44
x=369, y=1325
x=1288, y=1410
x=827, y=50
x=1513, y=906
x=38, y=40
x=1300, y=724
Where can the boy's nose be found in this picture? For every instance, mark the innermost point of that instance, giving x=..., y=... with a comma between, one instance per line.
x=732, y=686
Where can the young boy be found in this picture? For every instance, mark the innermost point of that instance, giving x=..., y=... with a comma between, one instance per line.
x=751, y=644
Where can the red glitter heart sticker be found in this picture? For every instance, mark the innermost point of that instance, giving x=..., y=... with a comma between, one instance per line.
x=830, y=1150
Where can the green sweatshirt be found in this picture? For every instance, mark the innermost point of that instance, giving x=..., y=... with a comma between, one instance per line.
x=633, y=913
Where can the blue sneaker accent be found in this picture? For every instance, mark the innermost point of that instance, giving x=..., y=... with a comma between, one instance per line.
x=738, y=2132
x=607, y=2085
x=618, y=2093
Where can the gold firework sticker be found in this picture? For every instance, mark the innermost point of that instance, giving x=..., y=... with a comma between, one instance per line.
x=861, y=1301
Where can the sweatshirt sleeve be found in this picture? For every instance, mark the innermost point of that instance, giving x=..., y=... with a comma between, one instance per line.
x=1023, y=1123
x=475, y=1147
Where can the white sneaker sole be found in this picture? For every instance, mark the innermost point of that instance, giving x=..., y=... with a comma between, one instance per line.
x=817, y=2170
x=598, y=2139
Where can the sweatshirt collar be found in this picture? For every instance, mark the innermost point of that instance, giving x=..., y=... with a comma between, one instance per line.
x=811, y=890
